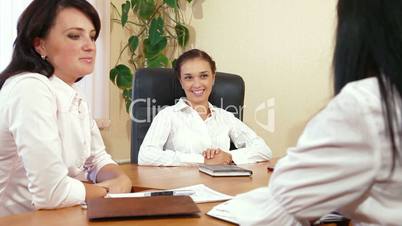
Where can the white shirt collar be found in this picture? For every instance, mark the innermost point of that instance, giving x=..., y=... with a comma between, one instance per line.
x=182, y=104
x=67, y=93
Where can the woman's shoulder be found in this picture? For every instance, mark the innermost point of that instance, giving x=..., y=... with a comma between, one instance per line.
x=357, y=99
x=165, y=111
x=27, y=84
x=172, y=109
x=28, y=79
x=223, y=112
x=367, y=86
x=224, y=116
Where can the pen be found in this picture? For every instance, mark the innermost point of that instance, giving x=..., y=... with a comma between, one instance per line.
x=153, y=193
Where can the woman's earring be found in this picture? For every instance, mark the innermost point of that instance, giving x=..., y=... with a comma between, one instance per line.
x=43, y=57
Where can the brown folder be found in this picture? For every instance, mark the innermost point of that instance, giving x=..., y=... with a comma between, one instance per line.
x=141, y=207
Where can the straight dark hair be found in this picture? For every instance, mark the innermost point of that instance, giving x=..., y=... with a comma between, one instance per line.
x=369, y=44
x=190, y=55
x=36, y=21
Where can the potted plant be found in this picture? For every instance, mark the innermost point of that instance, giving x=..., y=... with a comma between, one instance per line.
x=156, y=28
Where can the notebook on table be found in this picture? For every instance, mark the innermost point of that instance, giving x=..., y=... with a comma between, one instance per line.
x=224, y=170
x=141, y=207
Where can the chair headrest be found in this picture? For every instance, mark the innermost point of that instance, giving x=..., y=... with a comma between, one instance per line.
x=163, y=88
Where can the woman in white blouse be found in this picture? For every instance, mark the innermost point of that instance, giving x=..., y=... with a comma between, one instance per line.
x=48, y=142
x=193, y=131
x=349, y=156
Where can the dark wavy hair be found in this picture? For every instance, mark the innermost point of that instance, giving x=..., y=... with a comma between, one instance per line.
x=369, y=44
x=36, y=21
x=193, y=54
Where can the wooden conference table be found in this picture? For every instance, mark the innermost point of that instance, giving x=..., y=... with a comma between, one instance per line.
x=152, y=177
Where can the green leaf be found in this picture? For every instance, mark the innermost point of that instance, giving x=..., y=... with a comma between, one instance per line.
x=128, y=104
x=171, y=3
x=174, y=63
x=156, y=33
x=133, y=43
x=145, y=8
x=189, y=1
x=158, y=61
x=112, y=75
x=183, y=35
x=133, y=3
x=127, y=93
x=123, y=77
x=125, y=7
x=151, y=51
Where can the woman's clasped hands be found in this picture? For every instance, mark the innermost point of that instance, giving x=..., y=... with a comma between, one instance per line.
x=216, y=156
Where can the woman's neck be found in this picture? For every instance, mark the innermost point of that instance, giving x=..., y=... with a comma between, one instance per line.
x=202, y=109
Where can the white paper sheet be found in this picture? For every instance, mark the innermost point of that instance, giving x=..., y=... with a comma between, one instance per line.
x=221, y=212
x=205, y=194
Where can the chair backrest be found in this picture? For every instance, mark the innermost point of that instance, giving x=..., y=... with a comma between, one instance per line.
x=155, y=88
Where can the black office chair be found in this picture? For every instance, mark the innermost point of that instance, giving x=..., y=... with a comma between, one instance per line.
x=154, y=88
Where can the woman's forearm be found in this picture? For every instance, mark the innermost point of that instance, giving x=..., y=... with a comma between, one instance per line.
x=94, y=191
x=114, y=179
x=108, y=172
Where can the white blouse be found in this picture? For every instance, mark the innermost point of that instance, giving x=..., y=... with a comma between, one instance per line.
x=178, y=136
x=48, y=145
x=341, y=162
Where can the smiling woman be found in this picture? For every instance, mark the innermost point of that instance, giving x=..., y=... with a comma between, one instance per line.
x=49, y=142
x=194, y=131
x=196, y=73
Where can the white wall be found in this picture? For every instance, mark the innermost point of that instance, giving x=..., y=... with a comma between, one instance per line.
x=283, y=51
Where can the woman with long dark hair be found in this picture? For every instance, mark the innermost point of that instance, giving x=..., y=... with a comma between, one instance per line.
x=49, y=144
x=349, y=155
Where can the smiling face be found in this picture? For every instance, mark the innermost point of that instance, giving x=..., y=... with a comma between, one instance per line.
x=196, y=79
x=69, y=45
